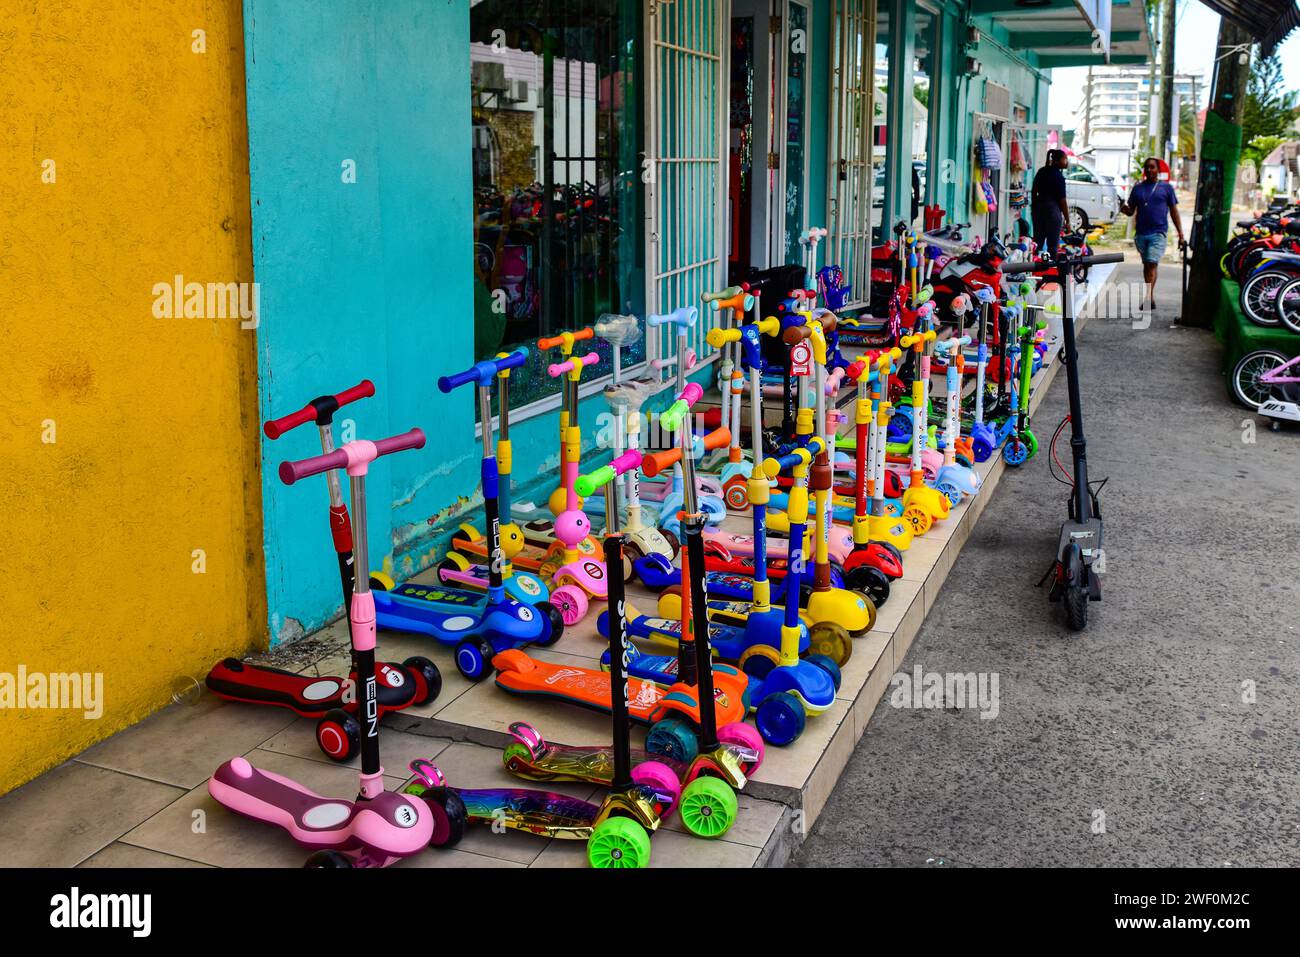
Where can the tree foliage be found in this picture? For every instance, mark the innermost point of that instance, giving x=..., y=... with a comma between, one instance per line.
x=1270, y=108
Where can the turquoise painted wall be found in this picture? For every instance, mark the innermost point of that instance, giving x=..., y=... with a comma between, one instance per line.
x=358, y=279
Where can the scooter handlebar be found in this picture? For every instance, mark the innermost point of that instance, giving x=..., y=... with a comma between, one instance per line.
x=727, y=293
x=359, y=452
x=682, y=318
x=483, y=372
x=655, y=462
x=566, y=339
x=586, y=485
x=719, y=337
x=908, y=341
x=571, y=365
x=1050, y=265
x=671, y=417
x=320, y=410
x=774, y=466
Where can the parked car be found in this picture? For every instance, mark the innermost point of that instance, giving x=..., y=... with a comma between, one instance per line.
x=1092, y=196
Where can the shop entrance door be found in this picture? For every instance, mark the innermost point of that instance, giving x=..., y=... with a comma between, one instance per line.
x=767, y=134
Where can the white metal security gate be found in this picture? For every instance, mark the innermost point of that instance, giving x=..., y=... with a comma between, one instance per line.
x=850, y=176
x=687, y=107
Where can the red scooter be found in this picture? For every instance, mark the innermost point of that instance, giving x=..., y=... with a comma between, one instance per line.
x=332, y=700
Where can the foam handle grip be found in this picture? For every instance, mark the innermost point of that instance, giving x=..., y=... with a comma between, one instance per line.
x=585, y=333
x=291, y=472
x=719, y=337
x=557, y=369
x=586, y=485
x=413, y=439
x=717, y=439
x=683, y=318
x=671, y=417
x=277, y=427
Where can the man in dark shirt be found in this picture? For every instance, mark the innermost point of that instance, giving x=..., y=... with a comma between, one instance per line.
x=1048, y=205
x=1154, y=203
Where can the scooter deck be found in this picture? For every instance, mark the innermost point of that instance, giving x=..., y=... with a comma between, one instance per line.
x=451, y=616
x=308, y=696
x=521, y=586
x=544, y=813
x=647, y=702
x=593, y=764
x=727, y=641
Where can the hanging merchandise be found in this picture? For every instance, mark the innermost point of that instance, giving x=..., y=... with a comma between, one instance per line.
x=980, y=202
x=987, y=151
x=1016, y=161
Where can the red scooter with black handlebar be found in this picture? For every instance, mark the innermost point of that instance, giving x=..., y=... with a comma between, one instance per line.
x=332, y=701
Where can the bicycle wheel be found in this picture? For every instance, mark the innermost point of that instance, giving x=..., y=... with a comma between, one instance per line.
x=1288, y=304
x=1259, y=296
x=1246, y=387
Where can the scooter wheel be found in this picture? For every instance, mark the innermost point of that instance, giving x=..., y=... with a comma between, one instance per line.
x=571, y=601
x=918, y=518
x=743, y=737
x=381, y=582
x=631, y=555
x=831, y=641
x=673, y=738
x=871, y=581
x=329, y=859
x=672, y=541
x=1015, y=453
x=556, y=619
x=473, y=658
x=449, y=817
x=757, y=661
x=950, y=492
x=780, y=718
x=427, y=672
x=339, y=735
x=618, y=842
x=661, y=777
x=1075, y=600
x=982, y=450
x=829, y=666
x=737, y=495
x=709, y=807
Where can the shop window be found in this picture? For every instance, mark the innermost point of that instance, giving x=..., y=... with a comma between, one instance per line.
x=556, y=171
x=923, y=130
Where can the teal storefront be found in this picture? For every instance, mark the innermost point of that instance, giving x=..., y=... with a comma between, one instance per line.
x=437, y=180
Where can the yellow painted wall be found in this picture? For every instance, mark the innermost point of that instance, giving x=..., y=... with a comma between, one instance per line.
x=154, y=420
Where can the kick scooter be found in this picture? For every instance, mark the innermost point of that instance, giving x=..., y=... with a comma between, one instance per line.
x=477, y=625
x=1022, y=445
x=794, y=687
x=922, y=505
x=1079, y=547
x=626, y=399
x=578, y=576
x=954, y=480
x=457, y=571
x=331, y=700
x=983, y=438
x=708, y=804
x=378, y=827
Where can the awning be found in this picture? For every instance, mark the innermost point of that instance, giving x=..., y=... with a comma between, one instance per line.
x=1268, y=21
x=1073, y=32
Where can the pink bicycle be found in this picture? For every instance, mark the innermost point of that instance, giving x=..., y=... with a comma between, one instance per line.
x=1261, y=380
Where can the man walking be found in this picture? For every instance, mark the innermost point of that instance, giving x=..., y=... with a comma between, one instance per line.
x=1048, y=205
x=1153, y=202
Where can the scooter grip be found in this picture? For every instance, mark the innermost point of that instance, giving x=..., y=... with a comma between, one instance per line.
x=671, y=417
x=586, y=485
x=584, y=333
x=727, y=293
x=277, y=427
x=557, y=369
x=413, y=439
x=717, y=439
x=795, y=334
x=683, y=318
x=483, y=372
x=719, y=337
x=291, y=472
x=652, y=463
x=741, y=300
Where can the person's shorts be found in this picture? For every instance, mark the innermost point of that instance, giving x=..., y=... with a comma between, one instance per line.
x=1150, y=246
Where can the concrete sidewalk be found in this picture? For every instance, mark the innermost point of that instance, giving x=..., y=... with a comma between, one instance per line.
x=1165, y=735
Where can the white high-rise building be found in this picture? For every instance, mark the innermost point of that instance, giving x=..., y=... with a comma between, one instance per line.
x=1114, y=113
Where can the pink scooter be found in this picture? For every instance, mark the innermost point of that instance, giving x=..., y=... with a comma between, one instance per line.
x=379, y=826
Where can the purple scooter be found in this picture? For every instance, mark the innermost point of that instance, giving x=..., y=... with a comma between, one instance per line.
x=379, y=826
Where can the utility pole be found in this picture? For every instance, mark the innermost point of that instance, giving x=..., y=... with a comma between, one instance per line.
x=1220, y=152
x=1163, y=148
x=1087, y=113
x=1147, y=135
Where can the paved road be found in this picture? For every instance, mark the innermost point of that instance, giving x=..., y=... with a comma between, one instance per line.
x=1140, y=719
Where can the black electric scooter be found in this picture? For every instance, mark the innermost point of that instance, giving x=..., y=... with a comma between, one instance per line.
x=1073, y=581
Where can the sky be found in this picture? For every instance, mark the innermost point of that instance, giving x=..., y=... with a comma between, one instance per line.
x=1194, y=44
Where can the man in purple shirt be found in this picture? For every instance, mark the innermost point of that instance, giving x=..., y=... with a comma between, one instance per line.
x=1153, y=202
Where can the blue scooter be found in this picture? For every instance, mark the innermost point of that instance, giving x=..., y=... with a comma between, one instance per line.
x=480, y=626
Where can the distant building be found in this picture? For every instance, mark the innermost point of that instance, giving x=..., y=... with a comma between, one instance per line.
x=1114, y=115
